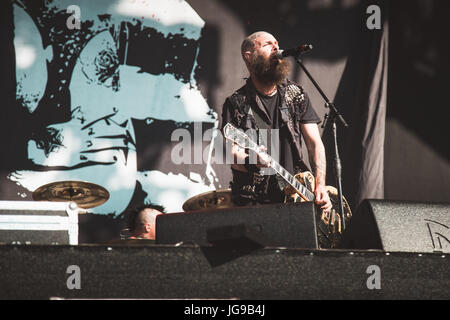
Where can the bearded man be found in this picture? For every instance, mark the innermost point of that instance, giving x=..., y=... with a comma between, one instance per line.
x=268, y=101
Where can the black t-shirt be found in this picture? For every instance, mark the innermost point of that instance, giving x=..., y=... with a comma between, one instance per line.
x=272, y=105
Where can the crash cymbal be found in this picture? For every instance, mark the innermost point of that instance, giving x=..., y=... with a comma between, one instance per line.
x=209, y=200
x=84, y=194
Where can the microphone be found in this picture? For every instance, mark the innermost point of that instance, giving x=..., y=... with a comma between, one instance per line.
x=293, y=52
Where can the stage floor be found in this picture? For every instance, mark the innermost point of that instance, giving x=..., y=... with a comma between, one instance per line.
x=193, y=272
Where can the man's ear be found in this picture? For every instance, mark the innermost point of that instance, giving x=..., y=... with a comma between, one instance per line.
x=247, y=55
x=147, y=227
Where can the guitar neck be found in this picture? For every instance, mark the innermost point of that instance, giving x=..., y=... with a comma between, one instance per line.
x=235, y=135
x=287, y=176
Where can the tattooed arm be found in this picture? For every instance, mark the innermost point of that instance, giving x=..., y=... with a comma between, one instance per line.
x=317, y=160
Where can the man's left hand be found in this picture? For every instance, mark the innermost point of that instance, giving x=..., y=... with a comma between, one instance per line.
x=322, y=198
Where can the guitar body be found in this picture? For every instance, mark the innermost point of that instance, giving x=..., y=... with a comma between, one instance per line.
x=329, y=225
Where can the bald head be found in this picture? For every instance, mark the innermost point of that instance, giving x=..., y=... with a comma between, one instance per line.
x=147, y=215
x=249, y=43
x=145, y=223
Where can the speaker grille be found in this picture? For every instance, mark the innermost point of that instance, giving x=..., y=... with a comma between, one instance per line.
x=399, y=226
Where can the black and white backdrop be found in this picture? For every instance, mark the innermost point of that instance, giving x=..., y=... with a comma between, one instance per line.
x=105, y=100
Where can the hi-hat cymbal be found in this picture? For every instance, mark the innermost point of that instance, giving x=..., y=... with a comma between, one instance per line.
x=209, y=200
x=84, y=194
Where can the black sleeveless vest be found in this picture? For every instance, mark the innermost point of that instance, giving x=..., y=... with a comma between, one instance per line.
x=252, y=186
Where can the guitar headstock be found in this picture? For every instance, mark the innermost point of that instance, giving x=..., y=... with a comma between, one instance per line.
x=239, y=137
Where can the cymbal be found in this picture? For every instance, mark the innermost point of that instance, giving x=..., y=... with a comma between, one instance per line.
x=84, y=194
x=209, y=200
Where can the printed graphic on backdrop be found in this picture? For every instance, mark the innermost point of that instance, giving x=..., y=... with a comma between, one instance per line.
x=106, y=83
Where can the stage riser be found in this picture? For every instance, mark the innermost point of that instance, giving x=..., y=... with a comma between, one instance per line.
x=154, y=272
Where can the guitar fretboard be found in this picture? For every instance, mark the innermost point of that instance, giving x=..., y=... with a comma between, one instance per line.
x=291, y=180
x=242, y=139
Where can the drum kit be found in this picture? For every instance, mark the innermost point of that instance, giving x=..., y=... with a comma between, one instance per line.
x=89, y=195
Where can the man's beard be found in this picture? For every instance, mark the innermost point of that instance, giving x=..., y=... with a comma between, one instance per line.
x=269, y=71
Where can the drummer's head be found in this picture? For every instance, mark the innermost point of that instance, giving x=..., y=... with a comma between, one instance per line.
x=143, y=221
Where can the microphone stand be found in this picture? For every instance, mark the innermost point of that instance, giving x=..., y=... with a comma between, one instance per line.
x=331, y=116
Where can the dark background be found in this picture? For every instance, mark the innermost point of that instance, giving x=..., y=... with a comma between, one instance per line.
x=417, y=150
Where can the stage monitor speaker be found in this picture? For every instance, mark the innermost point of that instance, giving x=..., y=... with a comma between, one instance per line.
x=399, y=226
x=274, y=225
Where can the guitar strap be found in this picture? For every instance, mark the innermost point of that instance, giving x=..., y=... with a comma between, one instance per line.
x=261, y=124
